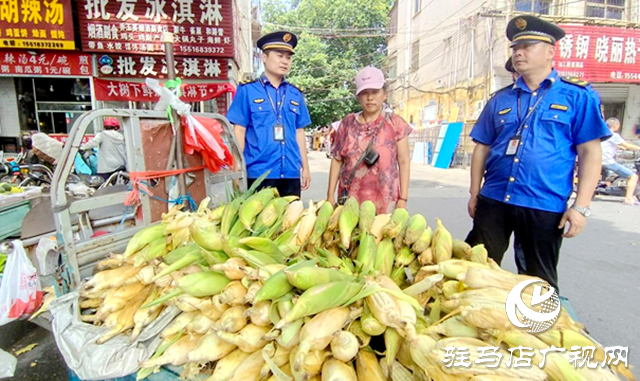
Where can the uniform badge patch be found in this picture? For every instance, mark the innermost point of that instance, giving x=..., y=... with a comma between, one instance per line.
x=259, y=100
x=295, y=103
x=505, y=111
x=559, y=107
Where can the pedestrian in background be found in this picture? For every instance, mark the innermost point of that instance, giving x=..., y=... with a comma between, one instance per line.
x=112, y=153
x=269, y=116
x=609, y=149
x=370, y=150
x=527, y=139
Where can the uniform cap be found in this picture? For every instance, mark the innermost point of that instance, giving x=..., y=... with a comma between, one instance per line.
x=531, y=29
x=281, y=40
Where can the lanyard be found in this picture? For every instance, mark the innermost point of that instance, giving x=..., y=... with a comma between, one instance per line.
x=531, y=110
x=277, y=111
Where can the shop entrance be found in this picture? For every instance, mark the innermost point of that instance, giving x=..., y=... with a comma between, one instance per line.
x=51, y=105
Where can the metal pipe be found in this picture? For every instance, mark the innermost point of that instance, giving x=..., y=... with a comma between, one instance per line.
x=167, y=39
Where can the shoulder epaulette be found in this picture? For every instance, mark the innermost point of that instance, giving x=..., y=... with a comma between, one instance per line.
x=297, y=87
x=248, y=81
x=575, y=81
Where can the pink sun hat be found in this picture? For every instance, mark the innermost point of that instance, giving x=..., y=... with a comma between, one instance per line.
x=369, y=78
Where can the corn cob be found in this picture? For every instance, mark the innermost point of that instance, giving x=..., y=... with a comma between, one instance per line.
x=307, y=277
x=398, y=371
x=111, y=278
x=125, y=317
x=177, y=354
x=367, y=215
x=233, y=268
x=232, y=320
x=416, y=227
x=233, y=293
x=344, y=346
x=118, y=298
x=398, y=220
x=348, y=220
x=423, y=285
x=424, y=242
x=200, y=324
x=334, y=220
x=305, y=227
x=322, y=222
x=145, y=316
x=210, y=348
x=404, y=257
x=356, y=329
x=227, y=365
x=202, y=284
x=259, y=314
x=335, y=370
x=178, y=324
x=479, y=254
x=385, y=256
x=155, y=249
x=270, y=214
x=318, y=333
x=378, y=225
x=461, y=250
x=454, y=268
x=392, y=343
x=370, y=325
x=290, y=334
x=398, y=275
x=441, y=243
x=143, y=237
x=264, y=245
x=252, y=291
x=453, y=327
x=275, y=357
x=321, y=298
x=312, y=365
x=366, y=253
x=480, y=277
x=113, y=261
x=250, y=368
x=292, y=214
x=278, y=285
x=367, y=366
x=249, y=339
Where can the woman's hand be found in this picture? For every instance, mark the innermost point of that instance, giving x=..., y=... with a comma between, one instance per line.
x=401, y=204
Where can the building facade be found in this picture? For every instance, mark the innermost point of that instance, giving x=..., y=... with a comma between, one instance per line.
x=444, y=62
x=59, y=59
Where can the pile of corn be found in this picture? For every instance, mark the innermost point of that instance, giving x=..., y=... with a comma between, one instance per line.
x=271, y=290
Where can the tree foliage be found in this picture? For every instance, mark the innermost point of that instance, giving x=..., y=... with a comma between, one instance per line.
x=336, y=38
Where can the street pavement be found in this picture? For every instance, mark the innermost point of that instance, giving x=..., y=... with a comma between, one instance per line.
x=598, y=270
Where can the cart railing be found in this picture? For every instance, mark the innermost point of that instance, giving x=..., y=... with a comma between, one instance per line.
x=82, y=253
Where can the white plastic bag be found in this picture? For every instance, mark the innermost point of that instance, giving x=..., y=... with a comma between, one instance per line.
x=20, y=292
x=7, y=364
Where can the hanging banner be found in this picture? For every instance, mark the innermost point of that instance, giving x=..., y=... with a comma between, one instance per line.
x=138, y=66
x=107, y=90
x=200, y=27
x=599, y=54
x=36, y=24
x=20, y=63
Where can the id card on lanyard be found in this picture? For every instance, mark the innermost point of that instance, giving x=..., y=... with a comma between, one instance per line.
x=278, y=128
x=514, y=142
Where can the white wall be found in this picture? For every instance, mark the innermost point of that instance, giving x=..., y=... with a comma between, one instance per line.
x=9, y=119
x=632, y=113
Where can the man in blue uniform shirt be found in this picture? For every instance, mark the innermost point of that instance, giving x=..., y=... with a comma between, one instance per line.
x=527, y=139
x=269, y=117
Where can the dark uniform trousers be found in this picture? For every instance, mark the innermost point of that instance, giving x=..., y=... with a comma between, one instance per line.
x=536, y=231
x=285, y=187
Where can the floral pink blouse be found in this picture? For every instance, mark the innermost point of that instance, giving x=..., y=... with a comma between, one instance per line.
x=381, y=182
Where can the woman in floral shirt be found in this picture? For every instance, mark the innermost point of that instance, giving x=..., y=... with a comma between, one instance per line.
x=385, y=183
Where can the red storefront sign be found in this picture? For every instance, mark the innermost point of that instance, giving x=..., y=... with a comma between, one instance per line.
x=599, y=54
x=136, y=66
x=36, y=24
x=107, y=90
x=200, y=27
x=21, y=63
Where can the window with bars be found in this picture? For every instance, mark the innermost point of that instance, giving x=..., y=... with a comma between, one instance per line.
x=415, y=55
x=542, y=7
x=608, y=9
x=392, y=67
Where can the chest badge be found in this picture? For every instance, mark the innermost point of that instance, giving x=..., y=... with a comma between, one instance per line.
x=295, y=103
x=559, y=107
x=505, y=111
x=259, y=100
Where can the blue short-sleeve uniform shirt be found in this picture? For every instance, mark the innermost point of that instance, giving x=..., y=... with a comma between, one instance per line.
x=253, y=108
x=564, y=114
